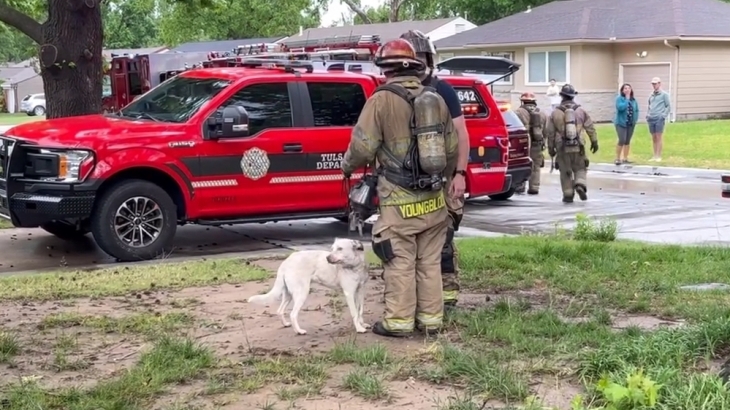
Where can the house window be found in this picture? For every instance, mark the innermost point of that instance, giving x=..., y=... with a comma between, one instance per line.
x=546, y=64
x=460, y=28
x=509, y=55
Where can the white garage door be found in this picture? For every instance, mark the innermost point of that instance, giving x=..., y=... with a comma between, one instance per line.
x=639, y=76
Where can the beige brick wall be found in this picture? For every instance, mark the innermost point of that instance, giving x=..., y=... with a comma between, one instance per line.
x=599, y=104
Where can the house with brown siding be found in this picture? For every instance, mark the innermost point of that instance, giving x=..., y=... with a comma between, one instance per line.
x=596, y=45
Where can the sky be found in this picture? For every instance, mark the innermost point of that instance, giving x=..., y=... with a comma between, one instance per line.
x=336, y=8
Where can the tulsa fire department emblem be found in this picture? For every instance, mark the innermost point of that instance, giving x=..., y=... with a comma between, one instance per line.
x=255, y=163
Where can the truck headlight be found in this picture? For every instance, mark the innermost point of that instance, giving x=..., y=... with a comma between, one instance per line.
x=73, y=165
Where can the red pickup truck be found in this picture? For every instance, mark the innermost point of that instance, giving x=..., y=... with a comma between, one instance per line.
x=213, y=146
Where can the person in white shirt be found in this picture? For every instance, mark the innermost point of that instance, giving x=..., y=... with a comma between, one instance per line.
x=553, y=93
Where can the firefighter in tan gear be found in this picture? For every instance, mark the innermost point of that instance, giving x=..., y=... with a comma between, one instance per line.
x=563, y=133
x=406, y=127
x=426, y=52
x=535, y=121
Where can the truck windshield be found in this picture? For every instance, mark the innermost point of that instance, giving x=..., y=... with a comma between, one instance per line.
x=175, y=100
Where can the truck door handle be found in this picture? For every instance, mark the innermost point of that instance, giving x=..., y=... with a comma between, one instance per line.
x=292, y=147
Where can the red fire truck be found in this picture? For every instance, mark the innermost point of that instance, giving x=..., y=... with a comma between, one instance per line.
x=130, y=76
x=261, y=142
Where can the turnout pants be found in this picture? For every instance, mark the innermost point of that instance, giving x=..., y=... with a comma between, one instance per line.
x=538, y=158
x=410, y=248
x=573, y=170
x=449, y=253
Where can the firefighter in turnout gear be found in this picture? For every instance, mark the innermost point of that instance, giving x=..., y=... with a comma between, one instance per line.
x=563, y=133
x=426, y=52
x=407, y=129
x=535, y=121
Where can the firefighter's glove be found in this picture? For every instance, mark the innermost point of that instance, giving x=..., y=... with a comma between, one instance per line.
x=347, y=174
x=594, y=146
x=552, y=151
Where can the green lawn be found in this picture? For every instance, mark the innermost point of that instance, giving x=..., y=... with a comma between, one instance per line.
x=5, y=224
x=696, y=144
x=568, y=320
x=18, y=118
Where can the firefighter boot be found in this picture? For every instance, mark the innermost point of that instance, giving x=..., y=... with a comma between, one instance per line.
x=581, y=190
x=568, y=199
x=380, y=330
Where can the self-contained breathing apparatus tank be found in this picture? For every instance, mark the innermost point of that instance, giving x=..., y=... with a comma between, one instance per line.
x=429, y=133
x=536, y=131
x=571, y=130
x=423, y=166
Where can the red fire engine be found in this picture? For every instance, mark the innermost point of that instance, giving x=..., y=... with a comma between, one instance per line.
x=130, y=76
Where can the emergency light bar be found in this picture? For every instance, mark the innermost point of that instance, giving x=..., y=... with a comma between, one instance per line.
x=725, y=186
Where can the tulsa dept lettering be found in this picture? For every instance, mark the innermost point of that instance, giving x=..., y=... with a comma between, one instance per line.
x=330, y=161
x=422, y=208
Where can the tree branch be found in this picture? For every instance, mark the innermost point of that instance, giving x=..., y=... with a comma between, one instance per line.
x=360, y=12
x=22, y=22
x=395, y=6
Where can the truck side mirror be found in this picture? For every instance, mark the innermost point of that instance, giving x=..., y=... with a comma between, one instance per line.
x=227, y=122
x=235, y=122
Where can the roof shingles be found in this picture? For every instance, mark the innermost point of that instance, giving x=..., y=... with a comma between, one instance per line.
x=567, y=20
x=386, y=31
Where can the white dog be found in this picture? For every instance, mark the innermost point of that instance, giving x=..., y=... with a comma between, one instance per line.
x=343, y=267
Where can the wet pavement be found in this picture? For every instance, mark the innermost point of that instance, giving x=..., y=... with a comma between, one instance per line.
x=668, y=209
x=659, y=209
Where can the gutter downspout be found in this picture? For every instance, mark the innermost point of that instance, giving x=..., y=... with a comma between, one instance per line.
x=675, y=79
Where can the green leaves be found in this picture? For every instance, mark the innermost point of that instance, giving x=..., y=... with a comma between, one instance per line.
x=639, y=392
x=130, y=23
x=191, y=20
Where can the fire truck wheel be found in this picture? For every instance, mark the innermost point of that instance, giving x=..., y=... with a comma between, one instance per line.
x=64, y=230
x=503, y=196
x=134, y=220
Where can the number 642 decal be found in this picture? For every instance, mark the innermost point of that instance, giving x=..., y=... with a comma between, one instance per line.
x=466, y=95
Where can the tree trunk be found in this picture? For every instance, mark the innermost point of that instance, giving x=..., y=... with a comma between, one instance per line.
x=359, y=11
x=395, y=6
x=70, y=58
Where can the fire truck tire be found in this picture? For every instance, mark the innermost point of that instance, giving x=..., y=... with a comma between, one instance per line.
x=503, y=196
x=65, y=231
x=134, y=220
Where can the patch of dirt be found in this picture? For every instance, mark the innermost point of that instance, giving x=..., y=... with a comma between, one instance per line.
x=333, y=396
x=645, y=322
x=555, y=393
x=235, y=330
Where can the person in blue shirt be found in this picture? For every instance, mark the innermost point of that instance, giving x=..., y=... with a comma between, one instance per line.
x=426, y=53
x=627, y=111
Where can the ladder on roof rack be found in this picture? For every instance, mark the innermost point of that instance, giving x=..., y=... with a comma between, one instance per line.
x=287, y=65
x=364, y=40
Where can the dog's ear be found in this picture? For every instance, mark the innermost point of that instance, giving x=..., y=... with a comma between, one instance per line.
x=357, y=245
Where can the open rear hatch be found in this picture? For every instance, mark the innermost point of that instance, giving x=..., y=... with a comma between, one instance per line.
x=487, y=69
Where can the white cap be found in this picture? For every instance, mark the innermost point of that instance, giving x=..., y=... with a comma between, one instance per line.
x=656, y=80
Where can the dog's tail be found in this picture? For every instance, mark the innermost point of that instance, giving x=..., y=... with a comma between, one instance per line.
x=274, y=294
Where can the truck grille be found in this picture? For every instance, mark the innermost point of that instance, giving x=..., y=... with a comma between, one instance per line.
x=6, y=150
